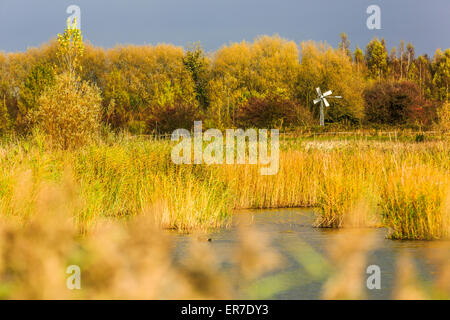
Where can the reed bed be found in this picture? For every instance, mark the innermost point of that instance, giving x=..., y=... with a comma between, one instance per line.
x=404, y=183
x=120, y=193
x=415, y=203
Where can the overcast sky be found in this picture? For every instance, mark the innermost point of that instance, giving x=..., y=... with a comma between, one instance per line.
x=26, y=23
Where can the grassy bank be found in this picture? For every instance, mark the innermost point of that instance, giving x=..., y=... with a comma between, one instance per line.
x=404, y=184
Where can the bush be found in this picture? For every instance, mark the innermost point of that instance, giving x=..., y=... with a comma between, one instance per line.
x=397, y=103
x=136, y=127
x=272, y=112
x=41, y=77
x=420, y=137
x=168, y=118
x=5, y=121
x=69, y=112
x=444, y=116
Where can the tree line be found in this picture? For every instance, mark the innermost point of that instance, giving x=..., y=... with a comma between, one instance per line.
x=269, y=82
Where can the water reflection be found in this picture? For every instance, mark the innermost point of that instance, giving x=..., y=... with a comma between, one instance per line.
x=292, y=235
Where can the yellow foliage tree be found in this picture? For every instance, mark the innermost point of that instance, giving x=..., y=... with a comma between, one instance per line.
x=69, y=112
x=145, y=78
x=330, y=69
x=268, y=66
x=444, y=116
x=71, y=48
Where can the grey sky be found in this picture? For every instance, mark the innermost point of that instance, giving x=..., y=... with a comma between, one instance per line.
x=25, y=23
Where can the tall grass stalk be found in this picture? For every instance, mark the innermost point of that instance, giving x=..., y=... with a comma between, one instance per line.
x=120, y=178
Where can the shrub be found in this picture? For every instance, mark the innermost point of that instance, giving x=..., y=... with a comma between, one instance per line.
x=69, y=112
x=272, y=112
x=444, y=116
x=39, y=78
x=168, y=118
x=5, y=121
x=138, y=78
x=420, y=137
x=136, y=127
x=397, y=103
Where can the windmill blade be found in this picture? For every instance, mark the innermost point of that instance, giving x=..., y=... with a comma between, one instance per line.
x=327, y=93
x=326, y=102
x=316, y=101
x=318, y=91
x=337, y=97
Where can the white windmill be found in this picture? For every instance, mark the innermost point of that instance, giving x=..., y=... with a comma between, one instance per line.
x=324, y=101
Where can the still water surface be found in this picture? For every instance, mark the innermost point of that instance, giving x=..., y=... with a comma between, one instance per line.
x=290, y=231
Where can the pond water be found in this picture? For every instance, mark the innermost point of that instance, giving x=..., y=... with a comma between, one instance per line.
x=290, y=231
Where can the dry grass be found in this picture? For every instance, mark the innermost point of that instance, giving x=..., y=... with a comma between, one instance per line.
x=414, y=203
x=133, y=259
x=405, y=184
x=118, y=259
x=295, y=185
x=349, y=258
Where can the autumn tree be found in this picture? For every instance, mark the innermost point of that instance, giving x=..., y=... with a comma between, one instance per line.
x=41, y=77
x=230, y=84
x=272, y=112
x=240, y=71
x=410, y=56
x=197, y=64
x=441, y=78
x=16, y=69
x=143, y=78
x=69, y=112
x=71, y=48
x=423, y=76
x=152, y=88
x=376, y=59
x=344, y=45
x=330, y=69
x=117, y=107
x=5, y=121
x=402, y=58
x=394, y=64
x=167, y=118
x=93, y=65
x=358, y=59
x=444, y=117
x=396, y=103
